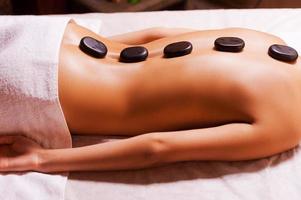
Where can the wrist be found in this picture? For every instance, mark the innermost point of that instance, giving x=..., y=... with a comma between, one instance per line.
x=42, y=160
x=55, y=160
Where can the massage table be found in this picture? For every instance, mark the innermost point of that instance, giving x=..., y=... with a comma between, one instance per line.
x=274, y=178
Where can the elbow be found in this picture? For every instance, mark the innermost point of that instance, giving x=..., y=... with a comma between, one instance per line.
x=156, y=150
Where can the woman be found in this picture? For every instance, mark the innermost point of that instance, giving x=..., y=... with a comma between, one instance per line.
x=208, y=105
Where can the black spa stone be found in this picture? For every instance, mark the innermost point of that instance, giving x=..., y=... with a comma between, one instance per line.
x=283, y=53
x=229, y=44
x=133, y=54
x=93, y=47
x=177, y=49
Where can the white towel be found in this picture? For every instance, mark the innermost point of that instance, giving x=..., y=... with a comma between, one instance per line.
x=29, y=104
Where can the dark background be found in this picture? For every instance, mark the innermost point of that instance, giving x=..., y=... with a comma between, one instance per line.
x=81, y=6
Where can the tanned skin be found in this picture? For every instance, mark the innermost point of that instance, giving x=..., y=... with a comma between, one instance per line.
x=208, y=105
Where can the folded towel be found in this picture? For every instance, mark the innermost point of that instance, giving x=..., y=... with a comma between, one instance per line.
x=29, y=104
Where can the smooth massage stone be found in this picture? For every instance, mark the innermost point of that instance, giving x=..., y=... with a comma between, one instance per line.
x=133, y=54
x=283, y=53
x=177, y=49
x=229, y=44
x=93, y=47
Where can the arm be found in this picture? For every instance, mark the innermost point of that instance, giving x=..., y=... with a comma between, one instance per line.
x=237, y=141
x=148, y=35
x=229, y=142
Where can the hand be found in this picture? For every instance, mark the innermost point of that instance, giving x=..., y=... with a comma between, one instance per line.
x=18, y=153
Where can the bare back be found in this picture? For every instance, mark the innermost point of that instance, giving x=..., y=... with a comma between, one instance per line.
x=204, y=89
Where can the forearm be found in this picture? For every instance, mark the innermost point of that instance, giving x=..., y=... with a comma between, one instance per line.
x=148, y=35
x=132, y=153
x=138, y=37
x=230, y=142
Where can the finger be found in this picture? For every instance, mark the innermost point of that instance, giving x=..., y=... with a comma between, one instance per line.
x=7, y=139
x=16, y=164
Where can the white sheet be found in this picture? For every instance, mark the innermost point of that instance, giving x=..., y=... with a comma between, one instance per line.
x=29, y=105
x=276, y=178
x=29, y=102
